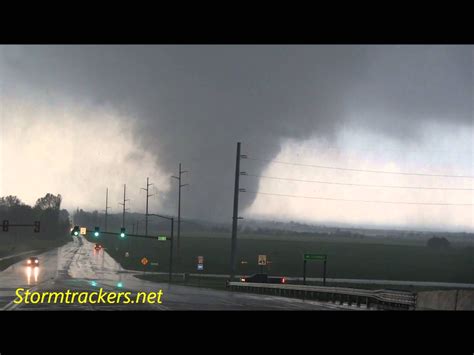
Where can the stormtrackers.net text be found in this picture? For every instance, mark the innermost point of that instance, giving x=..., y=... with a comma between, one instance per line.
x=94, y=297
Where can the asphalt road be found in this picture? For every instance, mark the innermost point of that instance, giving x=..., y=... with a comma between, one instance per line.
x=76, y=266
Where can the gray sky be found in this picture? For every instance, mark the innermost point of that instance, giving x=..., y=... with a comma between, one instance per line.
x=76, y=119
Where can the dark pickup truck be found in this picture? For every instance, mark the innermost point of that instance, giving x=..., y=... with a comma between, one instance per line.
x=263, y=278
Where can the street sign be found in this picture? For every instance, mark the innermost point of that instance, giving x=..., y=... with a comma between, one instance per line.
x=83, y=231
x=262, y=260
x=200, y=259
x=162, y=238
x=200, y=267
x=144, y=261
x=315, y=257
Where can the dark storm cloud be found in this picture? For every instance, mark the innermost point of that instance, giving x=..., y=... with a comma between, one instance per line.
x=193, y=103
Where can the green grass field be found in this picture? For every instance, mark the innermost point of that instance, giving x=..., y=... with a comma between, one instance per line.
x=358, y=259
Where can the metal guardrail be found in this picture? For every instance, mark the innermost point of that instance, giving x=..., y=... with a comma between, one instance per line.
x=383, y=299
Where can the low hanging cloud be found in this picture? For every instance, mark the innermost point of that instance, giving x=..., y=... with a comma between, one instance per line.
x=76, y=153
x=191, y=104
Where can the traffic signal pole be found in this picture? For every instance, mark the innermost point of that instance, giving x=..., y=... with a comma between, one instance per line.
x=124, y=209
x=171, y=243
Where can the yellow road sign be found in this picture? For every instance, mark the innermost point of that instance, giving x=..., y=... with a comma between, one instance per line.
x=262, y=260
x=83, y=231
x=144, y=261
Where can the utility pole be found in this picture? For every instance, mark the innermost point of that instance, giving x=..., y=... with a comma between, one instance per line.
x=146, y=213
x=123, y=204
x=106, y=207
x=179, y=206
x=235, y=214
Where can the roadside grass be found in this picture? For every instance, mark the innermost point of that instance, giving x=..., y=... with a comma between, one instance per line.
x=351, y=259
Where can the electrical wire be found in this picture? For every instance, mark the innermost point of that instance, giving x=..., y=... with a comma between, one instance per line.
x=360, y=185
x=361, y=170
x=364, y=201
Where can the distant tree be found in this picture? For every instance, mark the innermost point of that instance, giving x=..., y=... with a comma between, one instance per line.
x=438, y=243
x=10, y=201
x=49, y=201
x=54, y=222
x=64, y=216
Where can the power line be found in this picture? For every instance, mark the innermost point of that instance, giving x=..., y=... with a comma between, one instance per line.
x=362, y=170
x=361, y=185
x=364, y=201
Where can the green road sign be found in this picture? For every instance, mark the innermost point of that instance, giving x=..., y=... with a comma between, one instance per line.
x=315, y=256
x=162, y=238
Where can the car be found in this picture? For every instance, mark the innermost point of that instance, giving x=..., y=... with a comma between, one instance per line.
x=97, y=246
x=263, y=278
x=32, y=261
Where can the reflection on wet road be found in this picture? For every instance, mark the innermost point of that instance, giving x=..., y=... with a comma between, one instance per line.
x=78, y=266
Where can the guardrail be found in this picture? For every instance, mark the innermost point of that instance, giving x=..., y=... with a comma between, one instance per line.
x=380, y=299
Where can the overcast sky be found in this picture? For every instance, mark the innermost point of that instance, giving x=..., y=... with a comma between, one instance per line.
x=77, y=119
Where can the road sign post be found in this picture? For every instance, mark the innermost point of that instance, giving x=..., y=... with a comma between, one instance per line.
x=144, y=262
x=324, y=273
x=304, y=271
x=314, y=257
x=262, y=261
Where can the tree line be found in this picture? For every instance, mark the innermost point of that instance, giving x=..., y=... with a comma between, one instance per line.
x=55, y=222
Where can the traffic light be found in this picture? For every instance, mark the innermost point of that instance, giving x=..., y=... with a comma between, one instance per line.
x=75, y=230
x=5, y=225
x=96, y=232
x=37, y=227
x=122, y=233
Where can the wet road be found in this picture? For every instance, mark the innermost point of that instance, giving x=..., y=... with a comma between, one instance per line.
x=76, y=266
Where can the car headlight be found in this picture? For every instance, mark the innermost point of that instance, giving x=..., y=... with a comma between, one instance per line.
x=29, y=262
x=36, y=261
